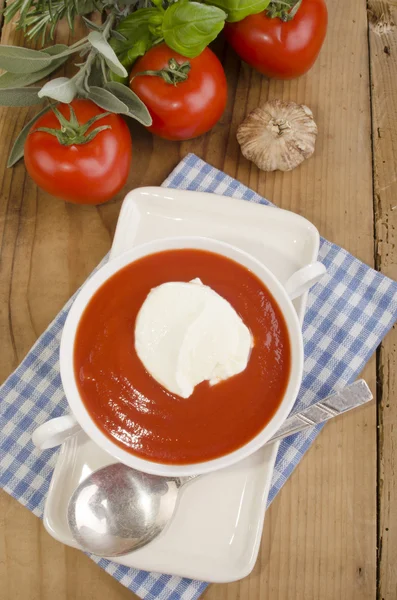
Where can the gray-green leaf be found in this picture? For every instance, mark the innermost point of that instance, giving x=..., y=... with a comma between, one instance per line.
x=188, y=27
x=239, y=9
x=107, y=100
x=22, y=79
x=56, y=49
x=23, y=60
x=136, y=108
x=19, y=144
x=61, y=89
x=97, y=40
x=20, y=96
x=8, y=80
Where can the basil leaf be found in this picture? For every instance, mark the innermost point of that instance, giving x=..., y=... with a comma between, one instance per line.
x=20, y=96
x=104, y=48
x=140, y=47
x=136, y=108
x=19, y=144
x=107, y=100
x=61, y=89
x=188, y=27
x=137, y=31
x=239, y=9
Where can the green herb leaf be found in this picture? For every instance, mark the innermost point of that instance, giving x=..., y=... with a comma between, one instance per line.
x=136, y=108
x=104, y=48
x=23, y=60
x=20, y=96
x=22, y=79
x=56, y=49
x=239, y=9
x=92, y=25
x=188, y=27
x=118, y=36
x=61, y=89
x=138, y=36
x=107, y=100
x=40, y=17
x=19, y=144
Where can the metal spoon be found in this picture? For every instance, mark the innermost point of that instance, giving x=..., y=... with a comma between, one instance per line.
x=117, y=510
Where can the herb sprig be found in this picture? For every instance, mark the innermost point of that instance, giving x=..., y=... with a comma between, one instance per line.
x=107, y=53
x=40, y=17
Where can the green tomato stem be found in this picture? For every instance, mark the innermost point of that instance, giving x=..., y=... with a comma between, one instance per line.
x=173, y=74
x=283, y=9
x=71, y=132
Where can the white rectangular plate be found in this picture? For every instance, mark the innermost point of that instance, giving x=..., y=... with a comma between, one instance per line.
x=216, y=530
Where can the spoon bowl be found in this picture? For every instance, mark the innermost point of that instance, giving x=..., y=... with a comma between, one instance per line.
x=117, y=509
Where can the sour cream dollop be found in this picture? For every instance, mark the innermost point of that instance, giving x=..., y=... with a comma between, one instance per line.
x=186, y=333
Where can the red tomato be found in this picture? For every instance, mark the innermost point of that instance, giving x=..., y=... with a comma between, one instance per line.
x=189, y=108
x=87, y=173
x=279, y=49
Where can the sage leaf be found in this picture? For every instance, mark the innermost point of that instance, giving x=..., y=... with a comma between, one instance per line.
x=8, y=80
x=91, y=24
x=97, y=40
x=23, y=60
x=86, y=6
x=20, y=96
x=239, y=9
x=95, y=77
x=107, y=100
x=56, y=49
x=19, y=144
x=61, y=89
x=136, y=108
x=188, y=27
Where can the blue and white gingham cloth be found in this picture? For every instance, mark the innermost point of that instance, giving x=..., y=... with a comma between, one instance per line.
x=348, y=314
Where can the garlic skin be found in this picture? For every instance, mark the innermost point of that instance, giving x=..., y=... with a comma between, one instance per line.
x=278, y=135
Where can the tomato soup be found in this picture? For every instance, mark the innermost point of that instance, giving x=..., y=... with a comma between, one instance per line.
x=135, y=411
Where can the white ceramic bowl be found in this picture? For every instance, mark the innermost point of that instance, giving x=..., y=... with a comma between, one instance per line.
x=55, y=431
x=67, y=348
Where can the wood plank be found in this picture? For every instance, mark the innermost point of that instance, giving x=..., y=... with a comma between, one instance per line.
x=319, y=536
x=383, y=56
x=43, y=260
x=320, y=533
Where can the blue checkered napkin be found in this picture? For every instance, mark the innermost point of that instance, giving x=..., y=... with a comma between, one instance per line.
x=348, y=314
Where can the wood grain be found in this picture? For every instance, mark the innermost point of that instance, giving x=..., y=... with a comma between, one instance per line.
x=319, y=540
x=383, y=53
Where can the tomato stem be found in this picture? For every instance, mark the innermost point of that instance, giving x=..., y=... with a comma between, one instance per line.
x=71, y=132
x=283, y=9
x=173, y=74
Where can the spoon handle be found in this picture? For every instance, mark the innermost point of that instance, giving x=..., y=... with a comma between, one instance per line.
x=349, y=397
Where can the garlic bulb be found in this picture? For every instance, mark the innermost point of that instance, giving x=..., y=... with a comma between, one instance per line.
x=278, y=135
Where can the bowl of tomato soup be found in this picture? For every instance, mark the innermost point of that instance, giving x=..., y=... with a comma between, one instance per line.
x=134, y=416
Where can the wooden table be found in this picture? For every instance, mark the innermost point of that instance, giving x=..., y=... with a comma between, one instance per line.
x=332, y=532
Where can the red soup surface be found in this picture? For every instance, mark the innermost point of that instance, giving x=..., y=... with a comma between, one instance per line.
x=136, y=412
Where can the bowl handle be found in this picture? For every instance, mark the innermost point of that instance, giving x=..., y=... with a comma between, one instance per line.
x=301, y=281
x=55, y=432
